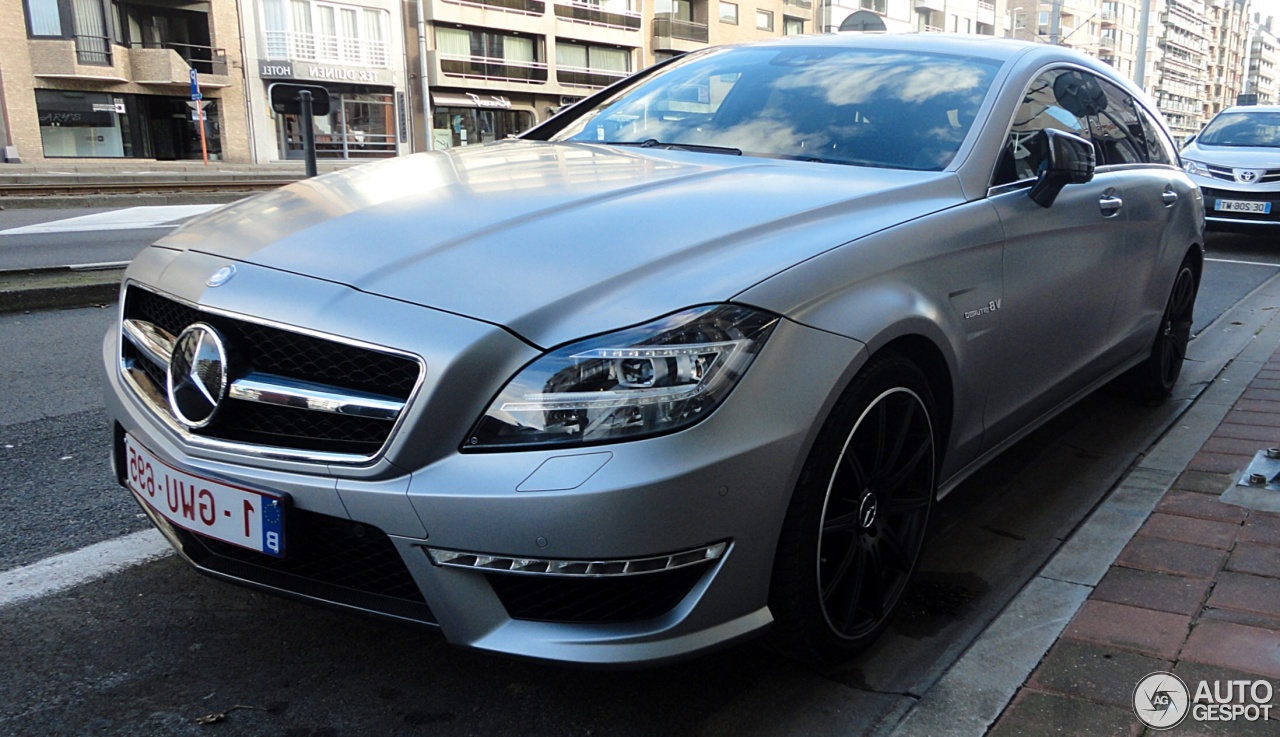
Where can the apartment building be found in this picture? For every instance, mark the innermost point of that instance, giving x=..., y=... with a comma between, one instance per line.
x=1118, y=38
x=1078, y=24
x=498, y=67
x=111, y=79
x=354, y=50
x=1178, y=70
x=1264, y=53
x=1228, y=24
x=978, y=17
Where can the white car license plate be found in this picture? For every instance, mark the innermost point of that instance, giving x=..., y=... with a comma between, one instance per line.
x=1263, y=208
x=233, y=514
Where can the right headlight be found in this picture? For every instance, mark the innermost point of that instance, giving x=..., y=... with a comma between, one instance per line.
x=656, y=378
x=1195, y=167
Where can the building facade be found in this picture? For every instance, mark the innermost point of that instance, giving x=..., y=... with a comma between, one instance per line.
x=1263, y=55
x=977, y=17
x=497, y=67
x=1228, y=25
x=112, y=79
x=353, y=50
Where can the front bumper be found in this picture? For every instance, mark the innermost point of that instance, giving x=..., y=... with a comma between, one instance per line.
x=1216, y=191
x=726, y=480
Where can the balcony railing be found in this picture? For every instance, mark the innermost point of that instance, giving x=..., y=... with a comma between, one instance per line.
x=525, y=7
x=682, y=29
x=93, y=50
x=805, y=4
x=317, y=47
x=587, y=12
x=487, y=67
x=934, y=29
x=587, y=77
x=203, y=59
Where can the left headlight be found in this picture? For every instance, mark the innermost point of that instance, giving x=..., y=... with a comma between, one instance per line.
x=656, y=378
x=1195, y=167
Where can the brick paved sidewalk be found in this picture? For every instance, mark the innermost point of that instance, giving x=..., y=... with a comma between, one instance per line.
x=1196, y=592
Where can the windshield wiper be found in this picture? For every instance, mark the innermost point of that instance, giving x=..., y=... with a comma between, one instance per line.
x=696, y=147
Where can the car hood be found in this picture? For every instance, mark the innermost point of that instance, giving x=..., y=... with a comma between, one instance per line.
x=557, y=241
x=1240, y=157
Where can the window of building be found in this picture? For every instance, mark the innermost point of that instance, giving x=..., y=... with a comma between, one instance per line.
x=464, y=126
x=361, y=124
x=44, y=18
x=792, y=26
x=581, y=65
x=764, y=20
x=880, y=6
x=729, y=13
x=490, y=55
x=1019, y=19
x=85, y=21
x=320, y=31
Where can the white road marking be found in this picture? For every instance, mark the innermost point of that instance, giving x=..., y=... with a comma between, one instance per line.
x=68, y=570
x=1233, y=261
x=129, y=218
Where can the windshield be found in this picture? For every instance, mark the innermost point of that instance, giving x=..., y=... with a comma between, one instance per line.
x=1243, y=129
x=894, y=109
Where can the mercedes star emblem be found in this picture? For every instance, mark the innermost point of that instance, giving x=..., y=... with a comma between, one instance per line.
x=197, y=379
x=221, y=276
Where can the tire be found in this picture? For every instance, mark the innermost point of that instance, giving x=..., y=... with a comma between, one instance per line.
x=858, y=516
x=1155, y=377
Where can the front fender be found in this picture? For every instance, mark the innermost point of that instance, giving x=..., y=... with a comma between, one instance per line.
x=939, y=278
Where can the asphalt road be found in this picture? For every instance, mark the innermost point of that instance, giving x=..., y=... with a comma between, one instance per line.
x=150, y=650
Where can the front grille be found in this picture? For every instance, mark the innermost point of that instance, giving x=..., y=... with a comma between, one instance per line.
x=255, y=349
x=326, y=558
x=1211, y=195
x=1228, y=174
x=594, y=600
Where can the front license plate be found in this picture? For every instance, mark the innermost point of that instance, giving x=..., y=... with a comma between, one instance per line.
x=1263, y=208
x=233, y=514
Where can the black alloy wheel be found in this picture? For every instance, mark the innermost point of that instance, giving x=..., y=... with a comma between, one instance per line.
x=857, y=521
x=1155, y=377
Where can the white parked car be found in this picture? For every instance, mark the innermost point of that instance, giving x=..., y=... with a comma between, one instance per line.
x=1235, y=161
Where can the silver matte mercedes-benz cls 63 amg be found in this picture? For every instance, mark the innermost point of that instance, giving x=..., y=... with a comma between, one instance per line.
x=689, y=362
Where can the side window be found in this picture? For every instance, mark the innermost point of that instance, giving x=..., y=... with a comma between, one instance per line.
x=1041, y=108
x=1160, y=149
x=1118, y=137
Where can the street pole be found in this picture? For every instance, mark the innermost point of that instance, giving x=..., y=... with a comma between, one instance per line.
x=308, y=132
x=198, y=99
x=1055, y=22
x=1144, y=19
x=422, y=73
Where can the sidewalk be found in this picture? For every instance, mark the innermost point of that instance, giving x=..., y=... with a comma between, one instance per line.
x=1177, y=571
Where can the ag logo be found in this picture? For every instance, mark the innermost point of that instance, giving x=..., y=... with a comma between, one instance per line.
x=1161, y=700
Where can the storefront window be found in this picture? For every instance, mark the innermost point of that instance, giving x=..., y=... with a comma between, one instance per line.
x=83, y=124
x=465, y=126
x=359, y=125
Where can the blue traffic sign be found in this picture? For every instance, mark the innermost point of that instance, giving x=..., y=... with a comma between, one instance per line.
x=195, y=86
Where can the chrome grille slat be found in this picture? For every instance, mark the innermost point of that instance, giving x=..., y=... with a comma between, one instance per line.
x=289, y=419
x=154, y=341
x=285, y=392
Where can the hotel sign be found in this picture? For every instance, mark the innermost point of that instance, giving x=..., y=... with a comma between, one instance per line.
x=324, y=73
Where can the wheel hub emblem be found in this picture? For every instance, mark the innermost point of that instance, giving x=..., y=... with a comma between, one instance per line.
x=197, y=379
x=867, y=510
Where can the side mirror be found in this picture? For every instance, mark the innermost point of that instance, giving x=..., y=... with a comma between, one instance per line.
x=1068, y=159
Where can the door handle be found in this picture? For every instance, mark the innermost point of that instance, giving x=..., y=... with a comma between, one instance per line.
x=1110, y=205
x=1169, y=197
